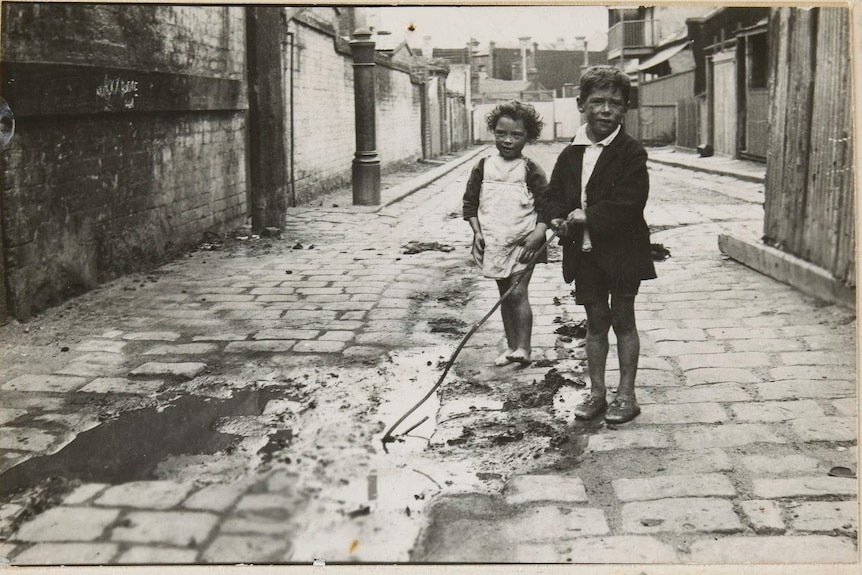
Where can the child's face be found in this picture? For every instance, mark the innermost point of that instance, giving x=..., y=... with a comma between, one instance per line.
x=510, y=136
x=605, y=108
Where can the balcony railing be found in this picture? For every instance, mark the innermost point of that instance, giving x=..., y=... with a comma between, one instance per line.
x=633, y=34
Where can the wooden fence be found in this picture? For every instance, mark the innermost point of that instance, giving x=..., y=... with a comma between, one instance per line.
x=687, y=118
x=809, y=201
x=659, y=98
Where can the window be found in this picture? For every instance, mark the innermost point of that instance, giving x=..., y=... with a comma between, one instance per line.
x=758, y=64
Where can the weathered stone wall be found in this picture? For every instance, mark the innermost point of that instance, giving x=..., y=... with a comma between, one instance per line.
x=130, y=140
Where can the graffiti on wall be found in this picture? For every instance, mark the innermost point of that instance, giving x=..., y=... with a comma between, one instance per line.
x=116, y=93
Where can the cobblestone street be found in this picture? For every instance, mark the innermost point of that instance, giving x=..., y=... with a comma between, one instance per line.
x=259, y=375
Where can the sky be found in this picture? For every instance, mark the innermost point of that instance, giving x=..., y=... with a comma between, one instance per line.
x=453, y=26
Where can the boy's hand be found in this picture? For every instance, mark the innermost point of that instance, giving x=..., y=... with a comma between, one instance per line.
x=577, y=216
x=532, y=243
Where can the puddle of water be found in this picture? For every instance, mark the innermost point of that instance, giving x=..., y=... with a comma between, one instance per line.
x=378, y=517
x=130, y=447
x=417, y=373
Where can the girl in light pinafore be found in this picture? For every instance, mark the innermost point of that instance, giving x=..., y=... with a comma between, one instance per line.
x=502, y=201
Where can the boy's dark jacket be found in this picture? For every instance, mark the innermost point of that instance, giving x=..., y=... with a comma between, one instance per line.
x=616, y=196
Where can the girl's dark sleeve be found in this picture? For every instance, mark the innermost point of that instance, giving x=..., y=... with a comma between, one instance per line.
x=537, y=183
x=474, y=186
x=623, y=205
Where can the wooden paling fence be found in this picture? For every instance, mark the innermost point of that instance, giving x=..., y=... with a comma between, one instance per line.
x=809, y=202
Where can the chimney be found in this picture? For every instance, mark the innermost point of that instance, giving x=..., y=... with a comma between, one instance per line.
x=427, y=49
x=524, y=40
x=582, y=41
x=491, y=59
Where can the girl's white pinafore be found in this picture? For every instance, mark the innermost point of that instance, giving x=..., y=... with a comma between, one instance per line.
x=507, y=214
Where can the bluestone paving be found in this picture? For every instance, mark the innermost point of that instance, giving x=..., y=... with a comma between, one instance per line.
x=786, y=549
x=51, y=383
x=176, y=528
x=737, y=373
x=186, y=370
x=151, y=555
x=68, y=524
x=628, y=439
x=535, y=488
x=715, y=393
x=260, y=346
x=145, y=495
x=804, y=487
x=825, y=428
x=825, y=516
x=122, y=385
x=765, y=465
x=795, y=389
x=68, y=554
x=680, y=515
x=216, y=497
x=764, y=516
x=775, y=410
x=553, y=522
x=714, y=375
x=26, y=439
x=84, y=493
x=620, y=549
x=729, y=435
x=660, y=487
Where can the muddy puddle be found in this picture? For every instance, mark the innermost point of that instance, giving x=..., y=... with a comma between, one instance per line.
x=132, y=446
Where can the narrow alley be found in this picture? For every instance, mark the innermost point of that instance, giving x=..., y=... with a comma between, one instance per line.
x=229, y=407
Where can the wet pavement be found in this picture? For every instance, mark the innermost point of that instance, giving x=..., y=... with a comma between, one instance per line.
x=229, y=407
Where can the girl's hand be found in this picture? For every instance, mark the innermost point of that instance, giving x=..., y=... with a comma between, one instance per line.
x=532, y=244
x=479, y=240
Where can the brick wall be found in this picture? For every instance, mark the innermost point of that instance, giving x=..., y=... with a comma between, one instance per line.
x=399, y=116
x=323, y=112
x=324, y=135
x=129, y=144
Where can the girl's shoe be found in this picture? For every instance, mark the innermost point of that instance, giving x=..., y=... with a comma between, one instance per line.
x=591, y=407
x=622, y=409
x=503, y=359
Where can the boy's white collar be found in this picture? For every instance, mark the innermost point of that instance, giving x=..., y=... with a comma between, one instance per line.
x=581, y=138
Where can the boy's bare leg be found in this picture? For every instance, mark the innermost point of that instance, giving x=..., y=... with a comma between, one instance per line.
x=624, y=406
x=598, y=325
x=628, y=343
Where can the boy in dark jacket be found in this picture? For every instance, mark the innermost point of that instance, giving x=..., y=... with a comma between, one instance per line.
x=596, y=199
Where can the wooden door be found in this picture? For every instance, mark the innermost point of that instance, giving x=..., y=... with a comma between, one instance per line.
x=724, y=103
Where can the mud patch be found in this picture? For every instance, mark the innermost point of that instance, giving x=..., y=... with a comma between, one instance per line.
x=540, y=394
x=573, y=330
x=570, y=444
x=448, y=325
x=275, y=446
x=419, y=247
x=659, y=252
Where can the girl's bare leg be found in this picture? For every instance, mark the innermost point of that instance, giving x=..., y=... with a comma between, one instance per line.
x=522, y=318
x=507, y=313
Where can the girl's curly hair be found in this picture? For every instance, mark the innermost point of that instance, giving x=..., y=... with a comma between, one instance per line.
x=533, y=123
